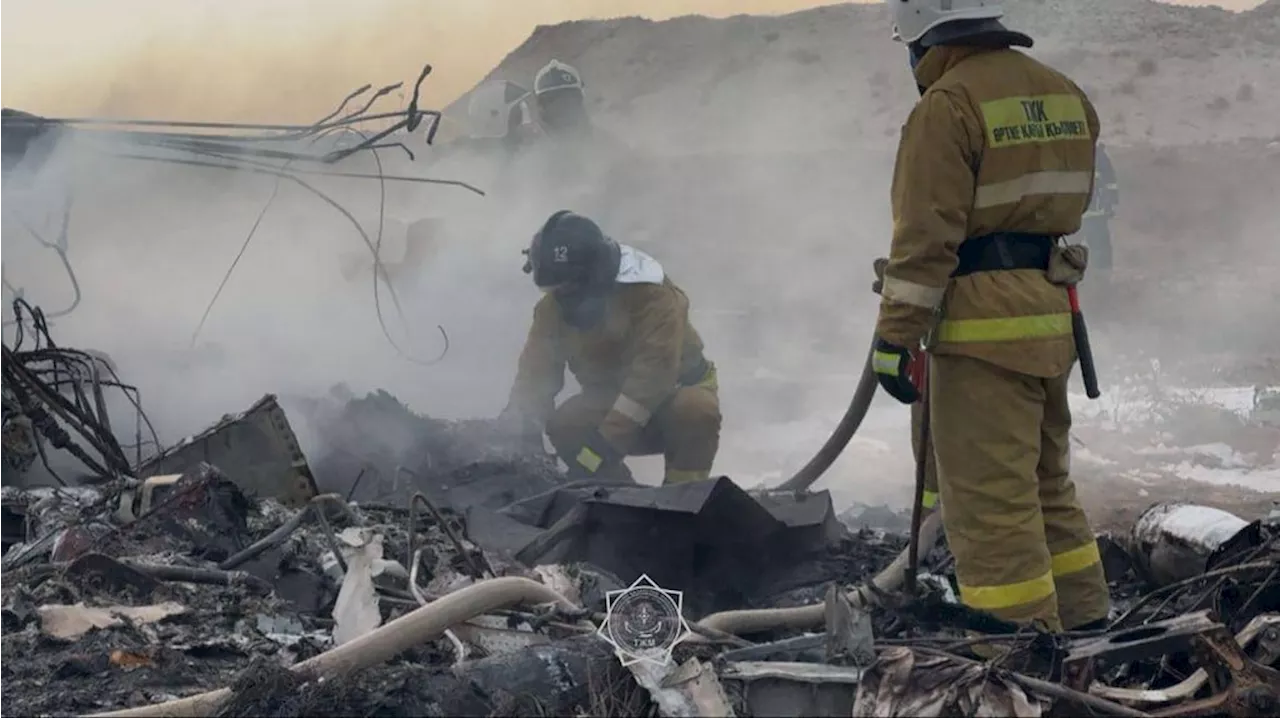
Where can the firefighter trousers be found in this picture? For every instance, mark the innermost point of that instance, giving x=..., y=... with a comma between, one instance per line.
x=1023, y=546
x=686, y=430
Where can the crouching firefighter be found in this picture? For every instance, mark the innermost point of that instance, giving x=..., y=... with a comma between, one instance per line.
x=994, y=166
x=622, y=327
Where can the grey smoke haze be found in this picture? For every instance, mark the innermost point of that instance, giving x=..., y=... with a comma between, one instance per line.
x=757, y=172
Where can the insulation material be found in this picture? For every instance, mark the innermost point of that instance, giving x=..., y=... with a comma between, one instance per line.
x=71, y=622
x=905, y=683
x=683, y=691
x=356, y=611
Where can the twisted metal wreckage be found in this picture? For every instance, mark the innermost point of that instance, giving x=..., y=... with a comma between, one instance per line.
x=488, y=593
x=36, y=379
x=214, y=578
x=269, y=149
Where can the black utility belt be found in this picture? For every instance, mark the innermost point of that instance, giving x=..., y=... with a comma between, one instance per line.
x=1004, y=250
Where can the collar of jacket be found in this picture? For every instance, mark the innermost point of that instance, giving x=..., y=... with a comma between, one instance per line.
x=941, y=58
x=636, y=267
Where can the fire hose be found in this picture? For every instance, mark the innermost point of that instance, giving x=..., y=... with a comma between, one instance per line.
x=906, y=563
x=766, y=619
x=867, y=384
x=865, y=393
x=411, y=629
x=844, y=431
x=432, y=620
x=852, y=419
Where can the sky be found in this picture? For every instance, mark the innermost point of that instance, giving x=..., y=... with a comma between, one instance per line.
x=281, y=60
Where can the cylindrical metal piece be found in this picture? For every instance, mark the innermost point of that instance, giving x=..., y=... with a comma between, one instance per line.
x=1171, y=542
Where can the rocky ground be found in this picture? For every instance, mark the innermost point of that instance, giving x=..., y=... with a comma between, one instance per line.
x=1160, y=74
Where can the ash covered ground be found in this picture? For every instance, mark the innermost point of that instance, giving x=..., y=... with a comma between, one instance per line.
x=68, y=600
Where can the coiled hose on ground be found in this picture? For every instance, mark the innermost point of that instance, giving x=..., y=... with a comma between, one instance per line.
x=424, y=624
x=853, y=416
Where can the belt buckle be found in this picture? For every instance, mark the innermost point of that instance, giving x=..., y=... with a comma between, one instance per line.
x=930, y=339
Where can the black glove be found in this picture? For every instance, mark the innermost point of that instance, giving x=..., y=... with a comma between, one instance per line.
x=898, y=369
x=596, y=455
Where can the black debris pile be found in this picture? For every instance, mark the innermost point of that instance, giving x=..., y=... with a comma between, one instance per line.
x=482, y=582
x=373, y=448
x=136, y=592
x=266, y=688
x=293, y=618
x=577, y=676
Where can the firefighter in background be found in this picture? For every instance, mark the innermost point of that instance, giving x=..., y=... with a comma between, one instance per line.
x=1095, y=228
x=994, y=166
x=561, y=102
x=613, y=317
x=576, y=162
x=498, y=112
x=572, y=159
x=561, y=106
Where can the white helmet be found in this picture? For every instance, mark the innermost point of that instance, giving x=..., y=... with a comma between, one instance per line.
x=490, y=107
x=913, y=18
x=556, y=75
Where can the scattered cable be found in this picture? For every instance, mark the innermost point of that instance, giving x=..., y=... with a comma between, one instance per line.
x=248, y=153
x=36, y=384
x=374, y=247
x=380, y=269
x=59, y=248
x=407, y=119
x=275, y=189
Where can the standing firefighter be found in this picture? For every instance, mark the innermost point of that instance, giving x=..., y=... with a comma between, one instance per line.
x=1095, y=229
x=622, y=327
x=561, y=103
x=995, y=165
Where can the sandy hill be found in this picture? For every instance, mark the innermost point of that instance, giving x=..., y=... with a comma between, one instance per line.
x=1159, y=73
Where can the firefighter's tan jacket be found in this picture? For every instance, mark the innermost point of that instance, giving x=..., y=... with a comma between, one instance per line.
x=997, y=143
x=639, y=354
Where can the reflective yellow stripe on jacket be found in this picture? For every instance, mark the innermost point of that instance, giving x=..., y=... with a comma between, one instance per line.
x=999, y=142
x=1004, y=329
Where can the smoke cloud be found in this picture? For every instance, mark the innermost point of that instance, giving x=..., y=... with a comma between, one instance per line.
x=767, y=209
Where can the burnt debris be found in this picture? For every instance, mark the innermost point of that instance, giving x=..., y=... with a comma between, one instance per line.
x=414, y=566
